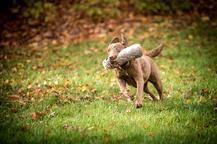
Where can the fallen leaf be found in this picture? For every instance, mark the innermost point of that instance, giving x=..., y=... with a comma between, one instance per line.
x=34, y=67
x=188, y=101
x=22, y=102
x=56, y=82
x=201, y=99
x=54, y=42
x=204, y=91
x=91, y=128
x=86, y=52
x=106, y=138
x=94, y=49
x=205, y=18
x=84, y=87
x=25, y=127
x=29, y=86
x=14, y=97
x=66, y=83
x=112, y=82
x=36, y=115
x=52, y=114
x=66, y=126
x=128, y=110
x=48, y=131
x=94, y=91
x=190, y=37
x=150, y=134
x=215, y=109
x=7, y=81
x=145, y=125
x=131, y=32
x=28, y=61
x=14, y=69
x=14, y=110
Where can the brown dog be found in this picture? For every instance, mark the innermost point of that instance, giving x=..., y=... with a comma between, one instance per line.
x=137, y=72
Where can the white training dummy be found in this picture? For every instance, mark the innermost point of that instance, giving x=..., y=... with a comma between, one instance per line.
x=127, y=54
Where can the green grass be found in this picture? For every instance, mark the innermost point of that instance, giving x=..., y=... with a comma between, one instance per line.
x=63, y=95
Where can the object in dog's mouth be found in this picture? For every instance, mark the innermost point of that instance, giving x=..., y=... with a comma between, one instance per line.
x=107, y=64
x=127, y=54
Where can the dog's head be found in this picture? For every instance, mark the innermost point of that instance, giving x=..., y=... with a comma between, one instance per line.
x=115, y=46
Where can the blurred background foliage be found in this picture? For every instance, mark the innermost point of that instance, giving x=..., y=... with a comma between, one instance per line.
x=34, y=21
x=161, y=6
x=100, y=10
x=39, y=10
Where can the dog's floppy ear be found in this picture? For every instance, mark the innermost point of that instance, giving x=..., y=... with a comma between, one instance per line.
x=124, y=40
x=115, y=40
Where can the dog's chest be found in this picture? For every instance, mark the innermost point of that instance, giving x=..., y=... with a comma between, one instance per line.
x=122, y=73
x=125, y=75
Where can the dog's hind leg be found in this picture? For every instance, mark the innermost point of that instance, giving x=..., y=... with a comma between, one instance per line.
x=158, y=85
x=146, y=90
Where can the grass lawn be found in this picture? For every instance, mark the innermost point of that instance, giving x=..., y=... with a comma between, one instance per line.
x=62, y=94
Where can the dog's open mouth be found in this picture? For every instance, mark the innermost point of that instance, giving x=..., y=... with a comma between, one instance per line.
x=111, y=61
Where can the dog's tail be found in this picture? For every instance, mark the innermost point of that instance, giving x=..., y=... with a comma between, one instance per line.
x=155, y=52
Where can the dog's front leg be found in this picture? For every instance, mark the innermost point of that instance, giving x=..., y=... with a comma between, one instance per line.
x=124, y=90
x=139, y=95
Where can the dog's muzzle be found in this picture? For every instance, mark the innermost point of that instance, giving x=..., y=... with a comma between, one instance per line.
x=107, y=64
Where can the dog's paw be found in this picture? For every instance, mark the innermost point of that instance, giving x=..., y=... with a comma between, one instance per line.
x=155, y=99
x=138, y=104
x=130, y=98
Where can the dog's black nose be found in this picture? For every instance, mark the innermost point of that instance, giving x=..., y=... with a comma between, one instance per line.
x=112, y=57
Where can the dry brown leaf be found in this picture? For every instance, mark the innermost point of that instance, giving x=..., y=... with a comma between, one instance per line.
x=205, y=18
x=14, y=97
x=215, y=109
x=190, y=37
x=94, y=91
x=14, y=110
x=86, y=52
x=150, y=134
x=48, y=131
x=14, y=69
x=145, y=125
x=66, y=126
x=93, y=49
x=131, y=32
x=22, y=102
x=128, y=110
x=112, y=82
x=36, y=115
x=66, y=83
x=84, y=87
x=29, y=86
x=188, y=101
x=106, y=138
x=25, y=127
x=204, y=91
x=34, y=67
x=7, y=81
